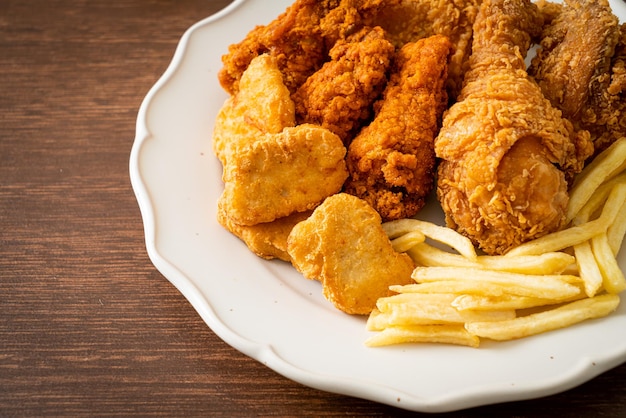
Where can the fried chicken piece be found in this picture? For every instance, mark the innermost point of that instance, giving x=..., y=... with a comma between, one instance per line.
x=267, y=240
x=279, y=174
x=410, y=20
x=343, y=245
x=261, y=106
x=339, y=96
x=392, y=161
x=294, y=39
x=272, y=169
x=575, y=70
x=506, y=152
x=299, y=38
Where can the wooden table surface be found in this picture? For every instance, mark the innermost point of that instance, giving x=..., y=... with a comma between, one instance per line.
x=88, y=326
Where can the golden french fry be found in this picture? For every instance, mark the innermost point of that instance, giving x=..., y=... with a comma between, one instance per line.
x=613, y=277
x=424, y=254
x=561, y=317
x=578, y=233
x=603, y=167
x=549, y=263
x=504, y=302
x=427, y=308
x=597, y=199
x=452, y=287
x=556, y=287
x=588, y=268
x=433, y=231
x=443, y=334
x=405, y=242
x=616, y=231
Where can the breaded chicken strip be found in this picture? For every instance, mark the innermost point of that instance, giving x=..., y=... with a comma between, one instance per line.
x=340, y=95
x=506, y=152
x=344, y=246
x=392, y=161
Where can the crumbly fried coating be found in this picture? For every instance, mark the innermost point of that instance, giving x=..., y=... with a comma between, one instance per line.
x=270, y=168
x=506, y=152
x=340, y=95
x=392, y=161
x=409, y=20
x=343, y=245
x=261, y=106
x=267, y=240
x=294, y=39
x=279, y=174
x=579, y=65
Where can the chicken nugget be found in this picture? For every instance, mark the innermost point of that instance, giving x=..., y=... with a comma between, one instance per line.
x=279, y=174
x=343, y=245
x=267, y=240
x=262, y=105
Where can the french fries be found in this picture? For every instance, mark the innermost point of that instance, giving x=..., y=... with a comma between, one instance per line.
x=558, y=280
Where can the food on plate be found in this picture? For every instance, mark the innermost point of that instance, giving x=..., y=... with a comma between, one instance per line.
x=279, y=174
x=507, y=154
x=339, y=96
x=343, y=246
x=392, y=161
x=409, y=20
x=329, y=144
x=267, y=240
x=560, y=317
x=261, y=106
x=299, y=38
x=272, y=169
x=558, y=280
x=580, y=67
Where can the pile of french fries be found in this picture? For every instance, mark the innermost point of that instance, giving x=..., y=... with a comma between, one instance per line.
x=460, y=297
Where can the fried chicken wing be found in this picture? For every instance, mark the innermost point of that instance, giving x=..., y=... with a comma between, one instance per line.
x=578, y=68
x=339, y=96
x=343, y=245
x=506, y=152
x=392, y=161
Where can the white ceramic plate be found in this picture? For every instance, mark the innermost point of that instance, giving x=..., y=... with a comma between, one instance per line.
x=268, y=311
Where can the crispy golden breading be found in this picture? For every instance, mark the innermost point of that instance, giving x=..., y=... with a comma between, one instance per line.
x=340, y=95
x=294, y=39
x=579, y=66
x=272, y=169
x=261, y=106
x=267, y=240
x=506, y=152
x=344, y=246
x=409, y=20
x=279, y=174
x=392, y=161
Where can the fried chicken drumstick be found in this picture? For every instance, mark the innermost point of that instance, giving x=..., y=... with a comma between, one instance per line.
x=506, y=152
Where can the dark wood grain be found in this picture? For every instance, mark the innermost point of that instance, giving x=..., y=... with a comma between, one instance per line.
x=87, y=325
